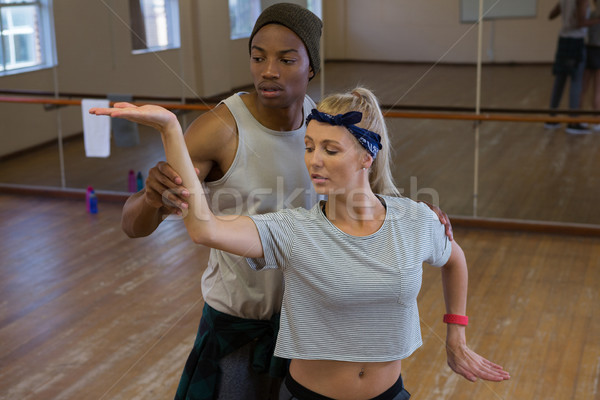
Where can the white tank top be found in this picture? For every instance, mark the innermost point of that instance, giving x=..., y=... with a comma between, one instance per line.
x=267, y=174
x=568, y=12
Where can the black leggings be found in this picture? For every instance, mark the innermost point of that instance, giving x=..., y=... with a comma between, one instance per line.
x=292, y=390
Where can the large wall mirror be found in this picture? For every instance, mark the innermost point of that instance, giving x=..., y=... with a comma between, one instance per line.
x=421, y=58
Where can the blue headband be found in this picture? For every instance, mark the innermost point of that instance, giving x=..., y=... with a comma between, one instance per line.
x=371, y=141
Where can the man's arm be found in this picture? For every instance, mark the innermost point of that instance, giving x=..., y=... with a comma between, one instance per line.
x=555, y=12
x=139, y=218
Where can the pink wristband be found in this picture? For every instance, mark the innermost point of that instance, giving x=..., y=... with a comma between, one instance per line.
x=456, y=319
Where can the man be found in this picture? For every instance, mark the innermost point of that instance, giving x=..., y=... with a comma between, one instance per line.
x=250, y=152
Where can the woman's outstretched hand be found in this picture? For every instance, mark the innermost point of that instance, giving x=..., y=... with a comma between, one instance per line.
x=154, y=116
x=472, y=366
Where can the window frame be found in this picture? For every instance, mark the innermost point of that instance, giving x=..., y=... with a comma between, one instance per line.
x=45, y=37
x=256, y=8
x=316, y=7
x=235, y=12
x=173, y=29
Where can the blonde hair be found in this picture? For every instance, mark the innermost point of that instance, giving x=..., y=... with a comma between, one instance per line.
x=363, y=100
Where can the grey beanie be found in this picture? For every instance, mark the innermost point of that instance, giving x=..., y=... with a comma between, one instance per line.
x=299, y=20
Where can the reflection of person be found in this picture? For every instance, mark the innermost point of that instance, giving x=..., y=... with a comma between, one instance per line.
x=591, y=75
x=352, y=264
x=569, y=61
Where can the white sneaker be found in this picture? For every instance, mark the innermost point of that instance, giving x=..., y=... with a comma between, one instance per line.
x=577, y=129
x=552, y=125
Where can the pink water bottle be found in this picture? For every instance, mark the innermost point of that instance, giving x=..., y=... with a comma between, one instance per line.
x=132, y=182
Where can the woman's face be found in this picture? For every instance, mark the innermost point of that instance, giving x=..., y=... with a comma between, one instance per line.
x=333, y=158
x=279, y=65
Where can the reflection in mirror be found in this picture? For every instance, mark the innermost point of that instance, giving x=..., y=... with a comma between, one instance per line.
x=40, y=166
x=525, y=171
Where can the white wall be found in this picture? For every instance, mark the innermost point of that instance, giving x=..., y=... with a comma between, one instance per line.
x=430, y=31
x=93, y=46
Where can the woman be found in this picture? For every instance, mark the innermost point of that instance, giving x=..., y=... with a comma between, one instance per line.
x=352, y=264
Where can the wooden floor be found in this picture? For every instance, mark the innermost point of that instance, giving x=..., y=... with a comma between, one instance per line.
x=525, y=171
x=87, y=313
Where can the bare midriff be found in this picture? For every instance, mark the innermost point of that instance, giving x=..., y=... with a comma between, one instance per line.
x=346, y=380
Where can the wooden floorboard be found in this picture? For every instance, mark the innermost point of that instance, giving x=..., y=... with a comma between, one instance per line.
x=87, y=313
x=83, y=307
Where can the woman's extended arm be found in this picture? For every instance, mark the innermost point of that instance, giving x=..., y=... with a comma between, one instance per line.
x=461, y=358
x=234, y=234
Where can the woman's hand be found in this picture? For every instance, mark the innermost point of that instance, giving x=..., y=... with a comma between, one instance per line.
x=163, y=187
x=472, y=366
x=156, y=117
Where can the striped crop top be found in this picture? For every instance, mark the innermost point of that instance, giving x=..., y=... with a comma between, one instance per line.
x=351, y=298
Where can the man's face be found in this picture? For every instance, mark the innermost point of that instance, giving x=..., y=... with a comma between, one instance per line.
x=279, y=65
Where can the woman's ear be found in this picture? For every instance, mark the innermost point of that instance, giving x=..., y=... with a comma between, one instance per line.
x=311, y=73
x=367, y=160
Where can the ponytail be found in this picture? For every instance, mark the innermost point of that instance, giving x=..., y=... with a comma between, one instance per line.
x=363, y=100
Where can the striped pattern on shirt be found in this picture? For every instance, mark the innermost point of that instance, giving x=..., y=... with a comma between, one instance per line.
x=351, y=298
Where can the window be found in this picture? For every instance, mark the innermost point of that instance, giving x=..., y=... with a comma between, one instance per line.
x=244, y=13
x=154, y=25
x=27, y=36
x=242, y=16
x=316, y=7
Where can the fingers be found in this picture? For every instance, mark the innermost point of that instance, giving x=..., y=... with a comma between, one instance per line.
x=170, y=173
x=123, y=104
x=163, y=188
x=100, y=111
x=449, y=231
x=463, y=371
x=492, y=372
x=444, y=220
x=472, y=366
x=109, y=110
x=167, y=200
